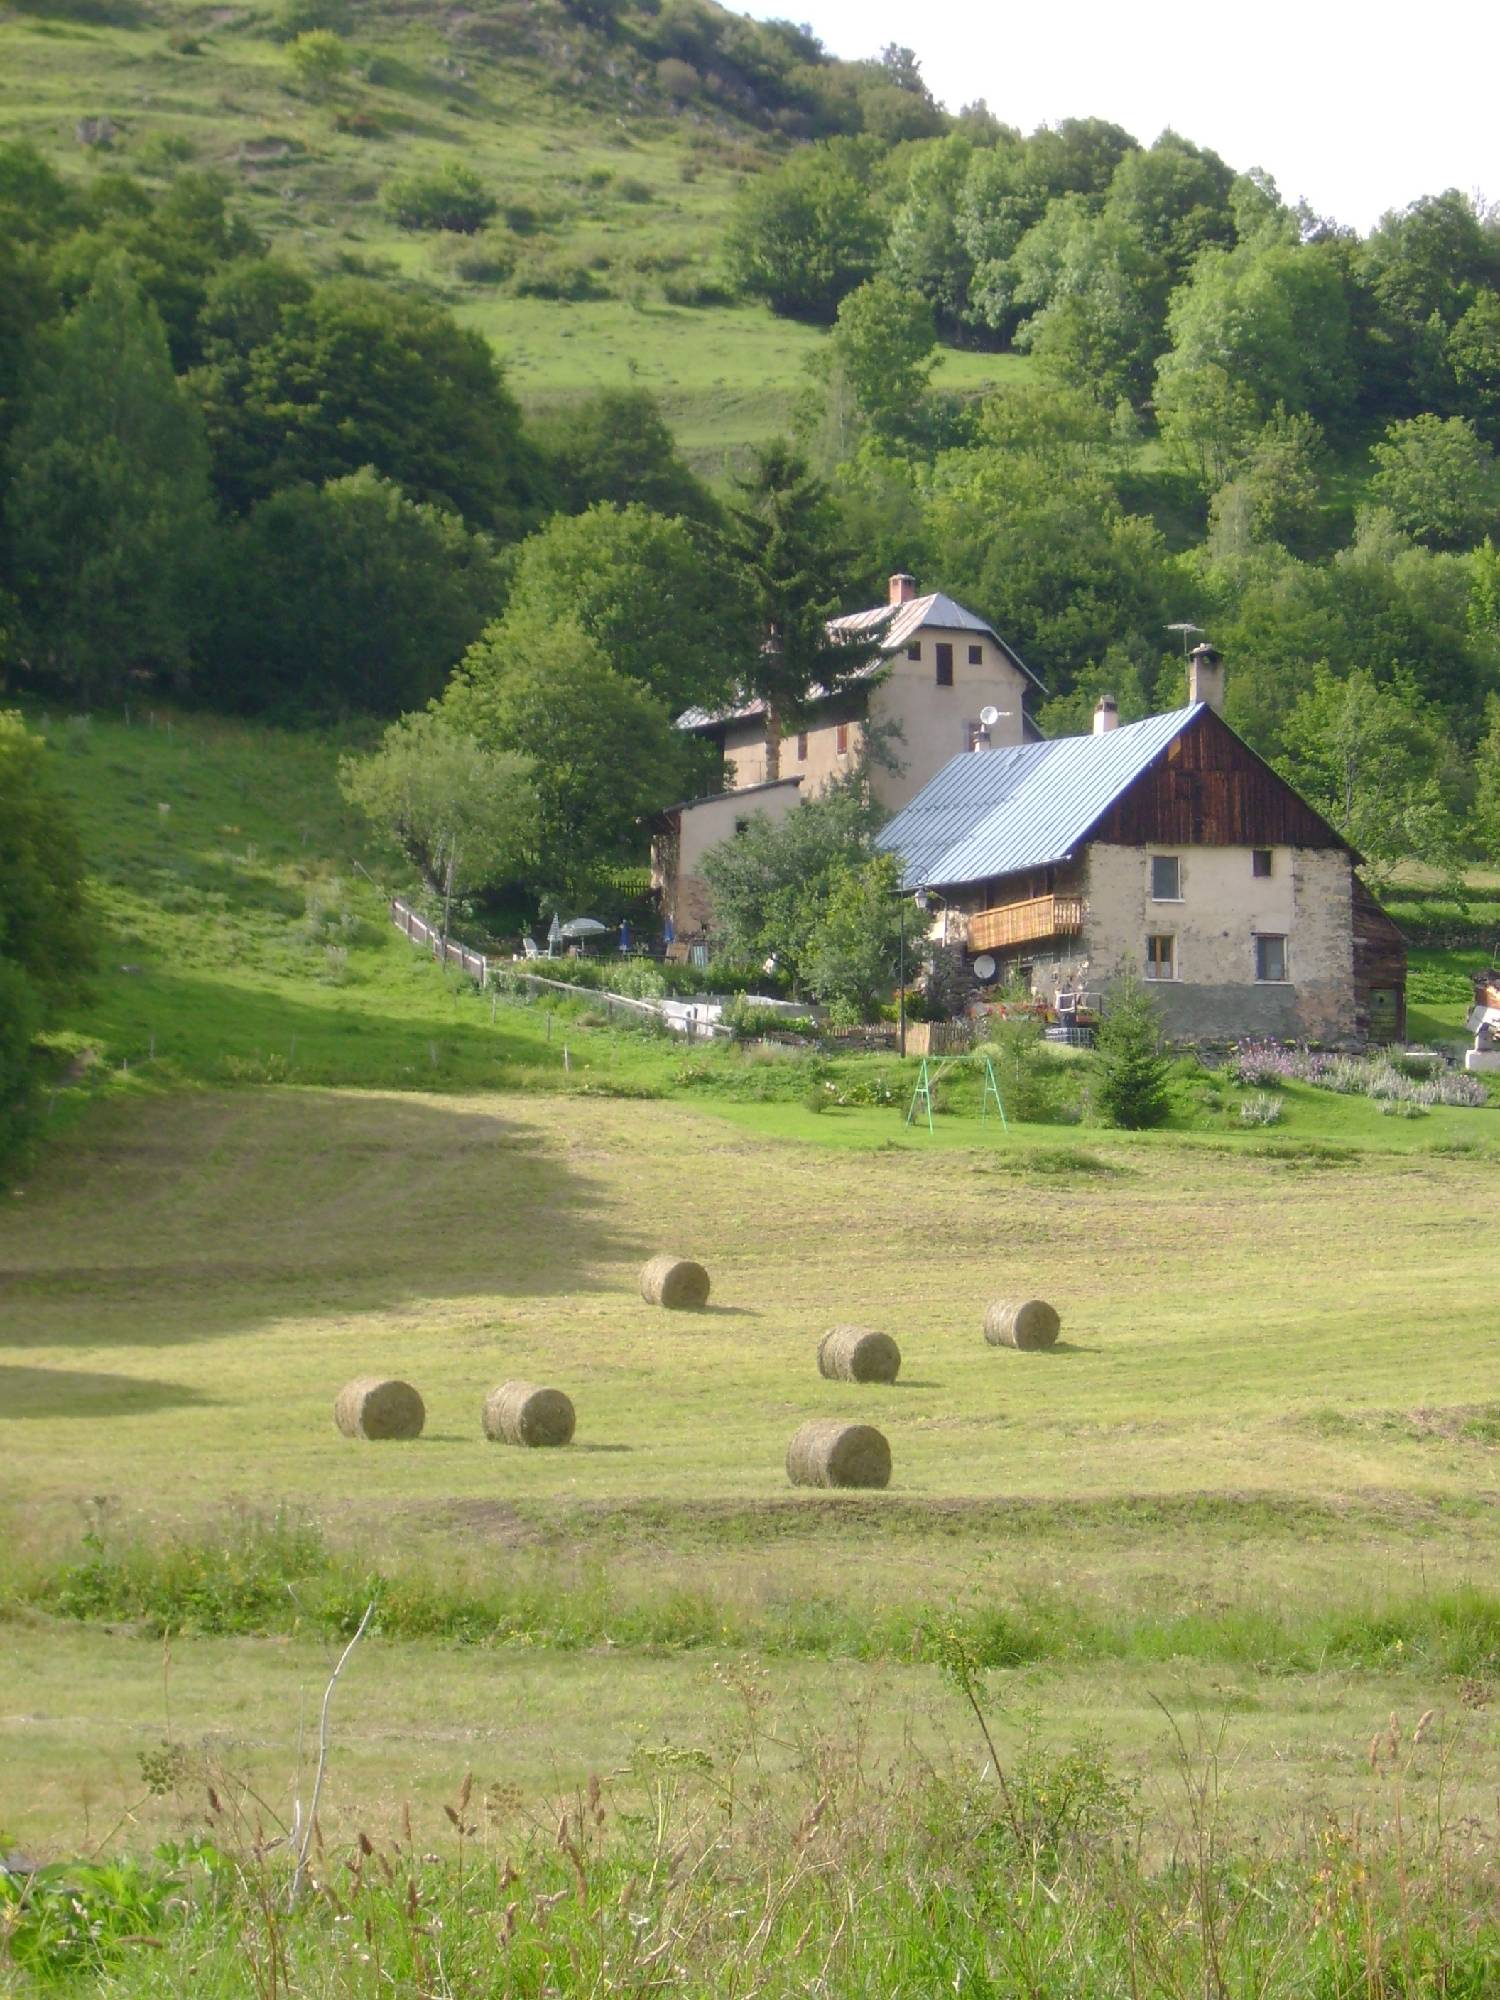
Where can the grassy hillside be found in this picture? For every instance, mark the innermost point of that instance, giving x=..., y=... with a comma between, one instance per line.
x=608, y=189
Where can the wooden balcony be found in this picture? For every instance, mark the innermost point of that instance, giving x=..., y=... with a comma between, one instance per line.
x=1021, y=923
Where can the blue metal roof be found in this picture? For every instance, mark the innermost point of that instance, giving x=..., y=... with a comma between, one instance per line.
x=992, y=812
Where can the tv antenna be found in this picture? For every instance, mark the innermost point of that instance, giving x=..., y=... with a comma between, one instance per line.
x=1185, y=627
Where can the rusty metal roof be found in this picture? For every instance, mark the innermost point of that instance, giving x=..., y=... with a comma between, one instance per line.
x=992, y=812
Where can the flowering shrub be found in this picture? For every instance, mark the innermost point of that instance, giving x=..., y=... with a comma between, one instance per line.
x=1383, y=1078
x=1261, y=1110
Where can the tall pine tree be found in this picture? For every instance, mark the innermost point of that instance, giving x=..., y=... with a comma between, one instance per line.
x=109, y=516
x=783, y=537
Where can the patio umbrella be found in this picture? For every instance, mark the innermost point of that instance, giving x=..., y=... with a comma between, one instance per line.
x=581, y=927
x=554, y=936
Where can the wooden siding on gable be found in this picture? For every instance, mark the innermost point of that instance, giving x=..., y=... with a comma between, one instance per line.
x=1379, y=965
x=1209, y=789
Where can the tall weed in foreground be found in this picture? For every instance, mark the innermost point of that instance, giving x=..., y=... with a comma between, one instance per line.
x=699, y=1873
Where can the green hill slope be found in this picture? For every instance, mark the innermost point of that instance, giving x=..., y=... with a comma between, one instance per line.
x=601, y=266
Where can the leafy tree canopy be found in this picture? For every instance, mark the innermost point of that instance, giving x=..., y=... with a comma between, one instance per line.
x=348, y=596
x=463, y=815
x=662, y=605
x=806, y=233
x=1439, y=480
x=1369, y=758
x=354, y=376
x=603, y=752
x=808, y=891
x=46, y=929
x=615, y=446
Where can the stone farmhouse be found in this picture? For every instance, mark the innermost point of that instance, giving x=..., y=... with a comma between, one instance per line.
x=1166, y=845
x=938, y=669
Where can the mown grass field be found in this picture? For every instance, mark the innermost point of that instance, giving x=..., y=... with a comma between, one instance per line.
x=1255, y=1486
x=1267, y=1402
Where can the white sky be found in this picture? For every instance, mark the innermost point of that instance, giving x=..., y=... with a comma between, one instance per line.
x=1360, y=108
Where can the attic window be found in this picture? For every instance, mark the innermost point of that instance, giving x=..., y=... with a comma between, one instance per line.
x=914, y=650
x=976, y=656
x=1260, y=861
x=944, y=664
x=801, y=746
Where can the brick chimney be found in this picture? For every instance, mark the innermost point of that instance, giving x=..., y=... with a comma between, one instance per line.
x=903, y=588
x=1106, y=715
x=1206, y=676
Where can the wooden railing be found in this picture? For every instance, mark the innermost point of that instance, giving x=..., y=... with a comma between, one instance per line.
x=1019, y=923
x=446, y=949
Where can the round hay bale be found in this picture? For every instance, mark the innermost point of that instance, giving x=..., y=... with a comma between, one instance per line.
x=1027, y=1323
x=676, y=1283
x=521, y=1413
x=370, y=1407
x=858, y=1354
x=829, y=1452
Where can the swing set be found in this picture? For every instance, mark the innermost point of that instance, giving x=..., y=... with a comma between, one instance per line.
x=927, y=1076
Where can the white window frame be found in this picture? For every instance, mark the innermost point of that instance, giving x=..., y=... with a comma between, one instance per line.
x=1177, y=858
x=1260, y=937
x=1163, y=978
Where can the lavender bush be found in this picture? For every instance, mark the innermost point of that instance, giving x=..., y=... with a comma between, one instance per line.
x=1269, y=1065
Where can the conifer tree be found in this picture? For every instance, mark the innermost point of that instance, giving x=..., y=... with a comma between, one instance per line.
x=784, y=540
x=109, y=514
x=1130, y=1079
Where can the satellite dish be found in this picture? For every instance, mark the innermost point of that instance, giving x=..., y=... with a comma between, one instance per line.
x=984, y=968
x=989, y=717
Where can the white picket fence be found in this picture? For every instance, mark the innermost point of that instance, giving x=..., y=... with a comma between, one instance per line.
x=474, y=963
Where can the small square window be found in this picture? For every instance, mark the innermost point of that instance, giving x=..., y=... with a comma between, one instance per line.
x=1166, y=878
x=802, y=746
x=944, y=665
x=976, y=656
x=1260, y=861
x=1270, y=959
x=914, y=652
x=842, y=739
x=1161, y=956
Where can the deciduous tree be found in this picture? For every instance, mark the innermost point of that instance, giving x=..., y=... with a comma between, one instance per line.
x=465, y=816
x=602, y=750
x=348, y=596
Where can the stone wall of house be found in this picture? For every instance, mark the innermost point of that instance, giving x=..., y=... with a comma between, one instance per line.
x=1215, y=994
x=934, y=721
x=685, y=896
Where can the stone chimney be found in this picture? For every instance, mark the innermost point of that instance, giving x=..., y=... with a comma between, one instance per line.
x=1206, y=676
x=1106, y=715
x=903, y=588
